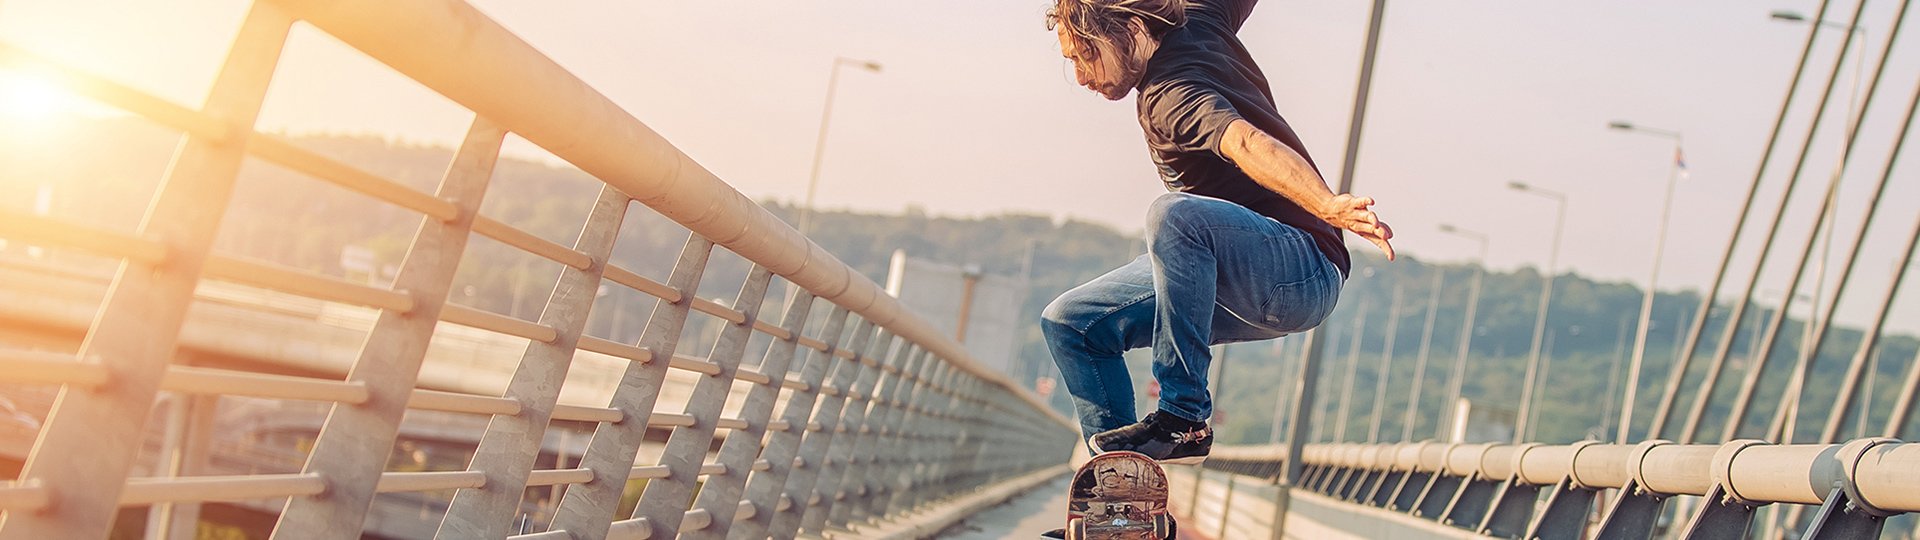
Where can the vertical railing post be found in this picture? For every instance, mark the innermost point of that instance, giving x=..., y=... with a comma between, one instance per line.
x=664, y=502
x=858, y=470
x=721, y=497
x=821, y=430
x=587, y=510
x=954, y=440
x=512, y=443
x=875, y=483
x=853, y=416
x=92, y=436
x=934, y=440
x=911, y=441
x=357, y=440
x=765, y=489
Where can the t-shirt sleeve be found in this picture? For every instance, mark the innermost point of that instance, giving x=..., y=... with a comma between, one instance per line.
x=1190, y=115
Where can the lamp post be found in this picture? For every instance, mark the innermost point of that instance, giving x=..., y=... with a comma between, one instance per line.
x=1546, y=299
x=1466, y=329
x=820, y=141
x=1860, y=55
x=1827, y=221
x=1675, y=172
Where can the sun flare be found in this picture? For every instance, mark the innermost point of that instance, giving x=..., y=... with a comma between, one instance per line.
x=27, y=97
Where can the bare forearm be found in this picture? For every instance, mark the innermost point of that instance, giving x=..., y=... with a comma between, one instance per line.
x=1276, y=167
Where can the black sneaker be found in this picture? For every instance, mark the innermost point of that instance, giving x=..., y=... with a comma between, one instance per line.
x=1164, y=437
x=1056, y=533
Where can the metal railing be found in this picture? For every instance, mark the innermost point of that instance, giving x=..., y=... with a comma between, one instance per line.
x=883, y=415
x=1496, y=490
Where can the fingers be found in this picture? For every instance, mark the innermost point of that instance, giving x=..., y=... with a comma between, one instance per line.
x=1383, y=245
x=1362, y=221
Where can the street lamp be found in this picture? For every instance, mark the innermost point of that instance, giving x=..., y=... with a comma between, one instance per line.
x=1677, y=170
x=1853, y=123
x=1546, y=298
x=820, y=141
x=1466, y=329
x=1855, y=32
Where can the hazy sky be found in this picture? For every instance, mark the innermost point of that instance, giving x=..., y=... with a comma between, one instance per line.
x=976, y=112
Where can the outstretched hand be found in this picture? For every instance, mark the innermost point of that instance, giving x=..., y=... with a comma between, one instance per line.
x=1351, y=213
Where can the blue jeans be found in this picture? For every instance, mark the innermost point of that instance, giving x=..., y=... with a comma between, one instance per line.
x=1215, y=272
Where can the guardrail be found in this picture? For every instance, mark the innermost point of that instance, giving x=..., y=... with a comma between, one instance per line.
x=1495, y=489
x=883, y=414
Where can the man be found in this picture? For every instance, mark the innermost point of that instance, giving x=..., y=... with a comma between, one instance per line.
x=1246, y=246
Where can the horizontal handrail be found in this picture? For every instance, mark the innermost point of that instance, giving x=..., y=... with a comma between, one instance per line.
x=1882, y=472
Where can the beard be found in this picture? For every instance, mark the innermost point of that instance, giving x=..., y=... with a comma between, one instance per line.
x=1127, y=74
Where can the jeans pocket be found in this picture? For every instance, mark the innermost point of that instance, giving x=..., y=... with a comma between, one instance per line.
x=1306, y=294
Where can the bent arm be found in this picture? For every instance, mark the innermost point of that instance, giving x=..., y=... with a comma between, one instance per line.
x=1280, y=169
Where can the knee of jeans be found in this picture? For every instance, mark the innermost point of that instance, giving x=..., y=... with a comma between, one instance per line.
x=1059, y=314
x=1173, y=214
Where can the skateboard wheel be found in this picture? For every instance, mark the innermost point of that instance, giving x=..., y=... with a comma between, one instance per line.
x=1077, y=529
x=1163, y=526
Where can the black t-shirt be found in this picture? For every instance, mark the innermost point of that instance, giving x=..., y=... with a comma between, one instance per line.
x=1200, y=81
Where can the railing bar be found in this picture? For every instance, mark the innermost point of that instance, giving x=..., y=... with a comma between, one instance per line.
x=279, y=278
x=630, y=529
x=495, y=322
x=30, y=367
x=526, y=241
x=642, y=284
x=638, y=355
x=274, y=149
x=587, y=414
x=767, y=328
x=551, y=477
x=648, y=472
x=660, y=419
x=42, y=230
x=698, y=365
x=145, y=491
x=715, y=309
x=812, y=343
x=752, y=376
x=401, y=482
x=196, y=380
x=435, y=400
x=24, y=497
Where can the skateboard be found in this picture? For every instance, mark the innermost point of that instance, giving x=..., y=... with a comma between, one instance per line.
x=1119, y=496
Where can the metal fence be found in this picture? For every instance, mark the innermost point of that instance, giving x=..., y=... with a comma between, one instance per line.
x=882, y=415
x=1497, y=490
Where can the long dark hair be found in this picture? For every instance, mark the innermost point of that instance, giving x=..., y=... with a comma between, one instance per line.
x=1111, y=22
x=1107, y=20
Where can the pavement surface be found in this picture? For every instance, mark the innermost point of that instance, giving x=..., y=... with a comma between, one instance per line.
x=1025, y=516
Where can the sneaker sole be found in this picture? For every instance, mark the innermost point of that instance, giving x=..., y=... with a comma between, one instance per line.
x=1189, y=460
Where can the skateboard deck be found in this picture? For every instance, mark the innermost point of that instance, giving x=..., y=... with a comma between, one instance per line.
x=1119, y=496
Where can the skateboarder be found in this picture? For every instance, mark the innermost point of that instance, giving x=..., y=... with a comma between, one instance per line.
x=1246, y=246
